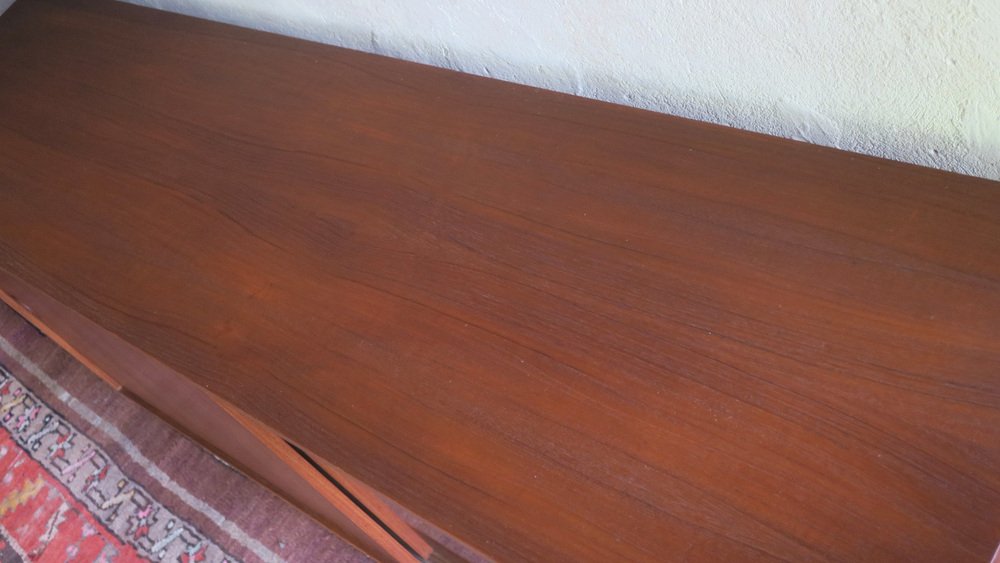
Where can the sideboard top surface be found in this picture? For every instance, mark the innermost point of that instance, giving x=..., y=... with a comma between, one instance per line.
x=555, y=327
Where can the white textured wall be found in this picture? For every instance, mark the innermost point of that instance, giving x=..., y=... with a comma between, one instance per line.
x=911, y=80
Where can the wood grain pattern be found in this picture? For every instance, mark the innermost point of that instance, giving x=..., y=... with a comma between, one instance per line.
x=388, y=548
x=13, y=292
x=371, y=501
x=258, y=453
x=556, y=328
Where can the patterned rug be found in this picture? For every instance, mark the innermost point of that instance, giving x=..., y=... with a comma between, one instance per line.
x=88, y=475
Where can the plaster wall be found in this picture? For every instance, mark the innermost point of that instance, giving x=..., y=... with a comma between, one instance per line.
x=911, y=80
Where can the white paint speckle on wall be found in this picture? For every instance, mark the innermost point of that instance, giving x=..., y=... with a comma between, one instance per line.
x=911, y=80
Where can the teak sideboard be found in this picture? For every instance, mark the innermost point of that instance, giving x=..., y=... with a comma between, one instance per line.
x=455, y=318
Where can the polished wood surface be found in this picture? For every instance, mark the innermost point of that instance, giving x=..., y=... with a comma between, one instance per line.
x=231, y=434
x=556, y=328
x=370, y=499
x=387, y=547
x=70, y=332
